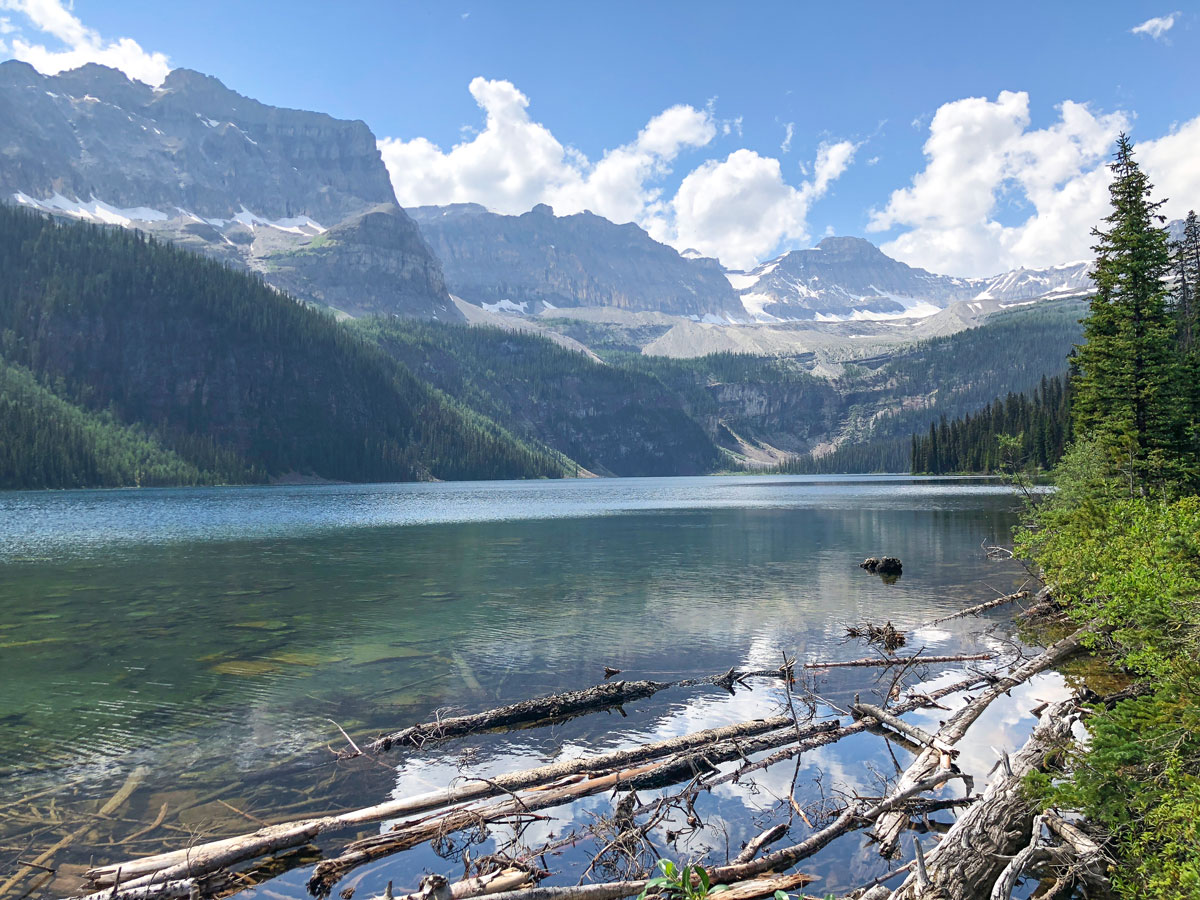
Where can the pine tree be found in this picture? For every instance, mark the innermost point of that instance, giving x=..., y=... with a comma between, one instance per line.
x=1128, y=393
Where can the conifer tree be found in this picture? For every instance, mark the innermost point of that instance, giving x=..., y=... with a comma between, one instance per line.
x=1128, y=393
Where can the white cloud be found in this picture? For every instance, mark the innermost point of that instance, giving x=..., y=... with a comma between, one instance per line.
x=81, y=44
x=980, y=151
x=1155, y=27
x=789, y=132
x=737, y=209
x=741, y=210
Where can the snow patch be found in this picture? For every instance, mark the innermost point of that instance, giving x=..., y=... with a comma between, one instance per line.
x=754, y=303
x=301, y=225
x=741, y=281
x=92, y=211
x=507, y=306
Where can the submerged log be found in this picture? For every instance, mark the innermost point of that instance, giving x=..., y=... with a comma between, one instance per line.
x=131, y=784
x=551, y=708
x=888, y=829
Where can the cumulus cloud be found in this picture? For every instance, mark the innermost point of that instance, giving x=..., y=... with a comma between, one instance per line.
x=1155, y=27
x=789, y=131
x=1050, y=185
x=982, y=151
x=80, y=44
x=738, y=209
x=741, y=209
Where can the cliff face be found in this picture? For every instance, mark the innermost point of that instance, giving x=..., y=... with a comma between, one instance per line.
x=201, y=165
x=542, y=260
x=373, y=263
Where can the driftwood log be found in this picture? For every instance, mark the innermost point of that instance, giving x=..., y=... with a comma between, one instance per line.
x=883, y=661
x=889, y=828
x=974, y=852
x=980, y=608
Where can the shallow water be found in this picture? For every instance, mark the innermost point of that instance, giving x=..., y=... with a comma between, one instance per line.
x=215, y=636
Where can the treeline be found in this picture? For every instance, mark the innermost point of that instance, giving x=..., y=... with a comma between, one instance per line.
x=889, y=455
x=233, y=377
x=1040, y=425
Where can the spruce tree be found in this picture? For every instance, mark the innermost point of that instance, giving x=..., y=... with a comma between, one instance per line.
x=1128, y=393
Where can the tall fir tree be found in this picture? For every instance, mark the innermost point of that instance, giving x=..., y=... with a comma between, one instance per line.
x=1186, y=272
x=1129, y=391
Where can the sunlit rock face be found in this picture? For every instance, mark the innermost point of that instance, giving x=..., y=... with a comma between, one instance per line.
x=545, y=261
x=199, y=164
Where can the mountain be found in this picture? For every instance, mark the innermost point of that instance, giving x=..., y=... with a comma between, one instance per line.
x=223, y=371
x=609, y=419
x=283, y=192
x=851, y=278
x=538, y=261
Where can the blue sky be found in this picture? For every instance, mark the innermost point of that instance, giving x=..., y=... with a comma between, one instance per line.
x=1013, y=177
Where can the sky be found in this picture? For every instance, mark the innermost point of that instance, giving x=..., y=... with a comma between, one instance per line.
x=965, y=138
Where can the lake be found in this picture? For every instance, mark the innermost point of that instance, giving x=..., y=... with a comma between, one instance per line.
x=219, y=637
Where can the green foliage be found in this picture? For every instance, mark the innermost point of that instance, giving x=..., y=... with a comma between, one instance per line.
x=689, y=882
x=216, y=365
x=1139, y=780
x=1131, y=565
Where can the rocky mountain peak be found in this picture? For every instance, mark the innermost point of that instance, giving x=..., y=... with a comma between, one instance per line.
x=197, y=163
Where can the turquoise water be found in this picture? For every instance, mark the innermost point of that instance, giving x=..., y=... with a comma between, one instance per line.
x=214, y=636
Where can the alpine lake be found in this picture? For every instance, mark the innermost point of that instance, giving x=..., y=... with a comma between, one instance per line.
x=218, y=641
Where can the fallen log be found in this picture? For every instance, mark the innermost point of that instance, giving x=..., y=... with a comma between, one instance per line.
x=683, y=766
x=920, y=735
x=889, y=828
x=208, y=857
x=899, y=660
x=763, y=886
x=865, y=724
x=974, y=852
x=551, y=708
x=437, y=888
x=408, y=834
x=736, y=872
x=768, y=837
x=980, y=608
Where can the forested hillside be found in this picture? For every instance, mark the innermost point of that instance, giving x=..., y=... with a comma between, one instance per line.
x=610, y=420
x=236, y=378
x=49, y=442
x=963, y=372
x=1039, y=424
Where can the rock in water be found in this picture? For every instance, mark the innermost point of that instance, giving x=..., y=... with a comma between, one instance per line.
x=886, y=565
